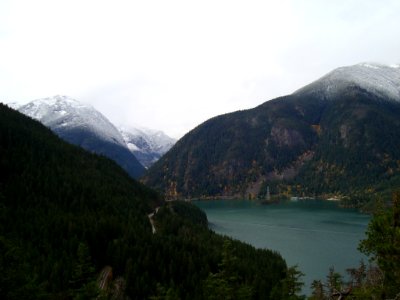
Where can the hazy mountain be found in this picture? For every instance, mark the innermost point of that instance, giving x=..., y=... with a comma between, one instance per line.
x=338, y=135
x=82, y=125
x=147, y=145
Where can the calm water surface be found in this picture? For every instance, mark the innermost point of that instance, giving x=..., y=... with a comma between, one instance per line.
x=313, y=234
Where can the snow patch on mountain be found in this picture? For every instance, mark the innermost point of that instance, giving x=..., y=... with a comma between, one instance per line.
x=133, y=147
x=146, y=144
x=381, y=80
x=14, y=105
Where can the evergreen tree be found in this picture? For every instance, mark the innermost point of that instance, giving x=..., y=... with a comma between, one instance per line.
x=383, y=246
x=318, y=292
x=292, y=284
x=83, y=281
x=334, y=282
x=226, y=284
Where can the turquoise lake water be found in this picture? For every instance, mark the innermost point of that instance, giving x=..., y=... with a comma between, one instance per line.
x=314, y=234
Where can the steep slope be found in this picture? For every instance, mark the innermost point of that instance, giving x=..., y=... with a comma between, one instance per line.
x=69, y=218
x=146, y=144
x=338, y=135
x=82, y=125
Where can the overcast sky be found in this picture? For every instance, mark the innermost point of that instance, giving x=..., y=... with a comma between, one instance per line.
x=171, y=65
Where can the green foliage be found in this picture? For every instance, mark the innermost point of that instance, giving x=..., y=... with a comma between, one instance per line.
x=190, y=212
x=291, y=285
x=165, y=294
x=226, y=283
x=15, y=281
x=83, y=280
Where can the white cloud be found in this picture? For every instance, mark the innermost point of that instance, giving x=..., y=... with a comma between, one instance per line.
x=173, y=64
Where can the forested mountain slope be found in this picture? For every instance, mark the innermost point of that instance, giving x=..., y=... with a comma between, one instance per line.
x=74, y=225
x=337, y=136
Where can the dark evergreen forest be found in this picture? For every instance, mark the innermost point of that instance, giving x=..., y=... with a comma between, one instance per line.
x=74, y=225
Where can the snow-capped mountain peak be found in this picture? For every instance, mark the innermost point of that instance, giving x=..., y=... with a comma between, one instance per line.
x=83, y=125
x=379, y=79
x=62, y=111
x=148, y=145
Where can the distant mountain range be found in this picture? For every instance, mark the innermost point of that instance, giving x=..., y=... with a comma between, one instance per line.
x=337, y=136
x=83, y=125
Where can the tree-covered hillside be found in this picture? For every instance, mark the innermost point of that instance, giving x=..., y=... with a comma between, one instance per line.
x=302, y=144
x=357, y=149
x=74, y=225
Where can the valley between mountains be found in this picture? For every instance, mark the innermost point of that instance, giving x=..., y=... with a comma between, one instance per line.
x=337, y=137
x=85, y=210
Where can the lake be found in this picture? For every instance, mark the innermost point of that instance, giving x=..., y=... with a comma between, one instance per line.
x=314, y=234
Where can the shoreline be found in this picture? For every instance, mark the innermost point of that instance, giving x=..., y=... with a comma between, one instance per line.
x=275, y=198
